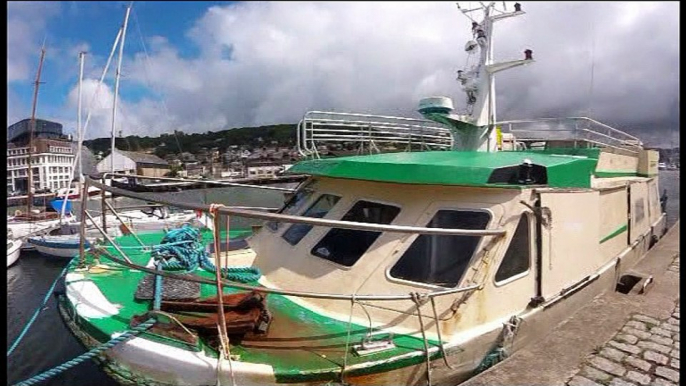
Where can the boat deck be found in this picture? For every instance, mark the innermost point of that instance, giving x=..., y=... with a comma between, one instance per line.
x=301, y=345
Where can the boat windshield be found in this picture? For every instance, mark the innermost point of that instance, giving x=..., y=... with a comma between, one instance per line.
x=294, y=204
x=442, y=259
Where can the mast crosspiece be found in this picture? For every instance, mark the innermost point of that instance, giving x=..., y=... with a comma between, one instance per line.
x=475, y=131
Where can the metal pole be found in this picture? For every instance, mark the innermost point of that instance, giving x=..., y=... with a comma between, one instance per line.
x=228, y=219
x=116, y=84
x=79, y=139
x=108, y=238
x=124, y=223
x=103, y=206
x=82, y=230
x=32, y=127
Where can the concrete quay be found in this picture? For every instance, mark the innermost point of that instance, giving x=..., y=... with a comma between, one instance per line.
x=617, y=340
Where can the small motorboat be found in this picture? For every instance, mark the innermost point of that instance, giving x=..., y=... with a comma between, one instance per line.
x=13, y=250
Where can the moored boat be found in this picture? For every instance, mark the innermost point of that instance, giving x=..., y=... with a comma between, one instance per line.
x=423, y=266
x=58, y=245
x=13, y=250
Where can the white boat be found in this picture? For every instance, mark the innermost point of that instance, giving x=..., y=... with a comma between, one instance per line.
x=13, y=250
x=58, y=245
x=65, y=241
x=417, y=267
x=24, y=228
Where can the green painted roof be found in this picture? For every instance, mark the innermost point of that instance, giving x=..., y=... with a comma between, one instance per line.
x=565, y=167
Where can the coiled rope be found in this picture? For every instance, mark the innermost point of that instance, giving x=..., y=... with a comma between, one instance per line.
x=88, y=355
x=181, y=250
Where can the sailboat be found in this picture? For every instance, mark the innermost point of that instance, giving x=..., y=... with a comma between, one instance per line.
x=34, y=221
x=424, y=266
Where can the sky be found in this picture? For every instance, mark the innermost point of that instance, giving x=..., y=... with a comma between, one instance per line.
x=209, y=66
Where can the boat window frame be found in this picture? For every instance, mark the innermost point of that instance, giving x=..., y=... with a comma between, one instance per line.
x=310, y=185
x=407, y=243
x=306, y=206
x=532, y=251
x=344, y=210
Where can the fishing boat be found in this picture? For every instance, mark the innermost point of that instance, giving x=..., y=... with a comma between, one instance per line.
x=422, y=266
x=13, y=249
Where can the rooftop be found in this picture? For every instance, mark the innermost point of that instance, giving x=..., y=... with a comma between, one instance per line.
x=562, y=168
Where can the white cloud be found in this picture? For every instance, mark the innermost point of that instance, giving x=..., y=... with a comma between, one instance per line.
x=26, y=21
x=263, y=63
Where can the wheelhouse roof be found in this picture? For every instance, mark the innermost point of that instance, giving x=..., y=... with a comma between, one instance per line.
x=564, y=167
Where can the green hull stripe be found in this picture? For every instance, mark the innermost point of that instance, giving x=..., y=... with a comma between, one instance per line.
x=614, y=173
x=614, y=234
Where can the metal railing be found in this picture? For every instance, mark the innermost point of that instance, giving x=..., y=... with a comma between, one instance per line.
x=208, y=182
x=579, y=131
x=262, y=215
x=369, y=133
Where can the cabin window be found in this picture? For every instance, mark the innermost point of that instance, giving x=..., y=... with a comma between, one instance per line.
x=442, y=259
x=346, y=246
x=517, y=258
x=293, y=205
x=319, y=209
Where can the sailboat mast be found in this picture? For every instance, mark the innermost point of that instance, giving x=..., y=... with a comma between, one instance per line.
x=79, y=139
x=32, y=126
x=79, y=130
x=116, y=85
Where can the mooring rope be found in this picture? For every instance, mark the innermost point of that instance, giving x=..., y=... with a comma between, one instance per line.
x=181, y=249
x=88, y=355
x=38, y=311
x=417, y=299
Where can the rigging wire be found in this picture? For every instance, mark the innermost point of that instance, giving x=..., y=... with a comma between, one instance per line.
x=590, y=87
x=147, y=76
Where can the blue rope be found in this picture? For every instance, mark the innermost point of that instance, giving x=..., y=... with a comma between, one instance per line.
x=88, y=355
x=181, y=250
x=157, y=301
x=38, y=311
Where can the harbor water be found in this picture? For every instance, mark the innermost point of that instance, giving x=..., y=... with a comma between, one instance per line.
x=50, y=343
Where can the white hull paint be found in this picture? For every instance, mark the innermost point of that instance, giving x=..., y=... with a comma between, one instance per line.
x=13, y=251
x=163, y=365
x=25, y=228
x=56, y=252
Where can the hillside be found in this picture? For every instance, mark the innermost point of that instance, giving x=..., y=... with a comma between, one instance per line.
x=283, y=135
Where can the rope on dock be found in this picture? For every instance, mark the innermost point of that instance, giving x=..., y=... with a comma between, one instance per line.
x=38, y=311
x=88, y=355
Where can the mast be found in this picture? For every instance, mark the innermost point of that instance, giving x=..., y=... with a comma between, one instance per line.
x=82, y=57
x=116, y=85
x=32, y=126
x=79, y=138
x=475, y=131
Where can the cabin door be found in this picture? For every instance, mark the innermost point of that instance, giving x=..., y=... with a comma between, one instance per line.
x=569, y=242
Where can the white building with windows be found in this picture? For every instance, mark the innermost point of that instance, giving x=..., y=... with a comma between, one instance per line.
x=52, y=165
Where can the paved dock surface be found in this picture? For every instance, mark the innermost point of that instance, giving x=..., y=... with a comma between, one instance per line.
x=617, y=340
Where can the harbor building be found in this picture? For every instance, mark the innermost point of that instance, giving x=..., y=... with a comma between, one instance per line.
x=128, y=162
x=52, y=156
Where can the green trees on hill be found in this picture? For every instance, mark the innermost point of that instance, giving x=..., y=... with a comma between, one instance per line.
x=169, y=143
